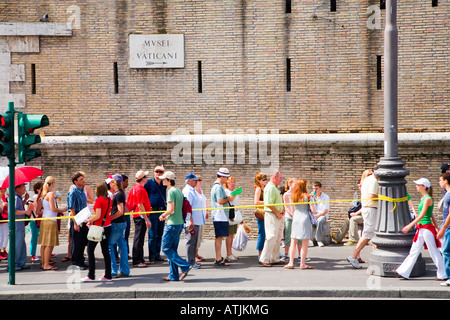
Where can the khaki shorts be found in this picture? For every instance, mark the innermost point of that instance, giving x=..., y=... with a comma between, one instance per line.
x=370, y=219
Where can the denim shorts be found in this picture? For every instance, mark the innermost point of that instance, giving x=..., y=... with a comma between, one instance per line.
x=221, y=228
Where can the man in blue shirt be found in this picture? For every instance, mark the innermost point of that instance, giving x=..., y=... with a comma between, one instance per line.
x=191, y=233
x=20, y=248
x=77, y=201
x=444, y=232
x=157, y=194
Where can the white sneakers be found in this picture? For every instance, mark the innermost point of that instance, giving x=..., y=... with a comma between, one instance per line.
x=354, y=262
x=446, y=283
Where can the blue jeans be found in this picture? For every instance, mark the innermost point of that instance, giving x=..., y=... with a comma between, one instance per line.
x=261, y=235
x=446, y=251
x=170, y=241
x=20, y=249
x=155, y=234
x=118, y=237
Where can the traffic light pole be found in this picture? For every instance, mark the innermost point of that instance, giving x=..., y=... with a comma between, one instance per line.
x=12, y=223
x=12, y=209
x=26, y=124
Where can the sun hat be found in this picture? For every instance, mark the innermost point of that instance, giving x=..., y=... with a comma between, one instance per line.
x=223, y=172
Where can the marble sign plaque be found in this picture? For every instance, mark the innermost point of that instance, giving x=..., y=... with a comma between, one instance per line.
x=156, y=51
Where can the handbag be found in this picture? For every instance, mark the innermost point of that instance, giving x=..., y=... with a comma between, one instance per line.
x=95, y=233
x=231, y=212
x=259, y=213
x=238, y=218
x=311, y=216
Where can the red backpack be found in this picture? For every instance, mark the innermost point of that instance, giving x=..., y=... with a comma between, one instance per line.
x=186, y=208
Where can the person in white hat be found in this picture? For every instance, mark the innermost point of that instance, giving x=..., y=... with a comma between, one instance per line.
x=425, y=234
x=220, y=215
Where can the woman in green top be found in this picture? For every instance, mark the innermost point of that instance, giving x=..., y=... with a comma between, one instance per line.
x=172, y=231
x=425, y=234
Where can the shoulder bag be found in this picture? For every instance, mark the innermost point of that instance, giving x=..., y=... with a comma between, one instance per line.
x=96, y=232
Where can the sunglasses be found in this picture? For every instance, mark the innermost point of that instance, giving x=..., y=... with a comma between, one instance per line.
x=159, y=171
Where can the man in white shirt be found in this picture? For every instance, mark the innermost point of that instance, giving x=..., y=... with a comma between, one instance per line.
x=369, y=201
x=196, y=202
x=322, y=209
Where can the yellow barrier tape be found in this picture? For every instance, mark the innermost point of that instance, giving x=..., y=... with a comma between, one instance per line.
x=394, y=200
x=380, y=197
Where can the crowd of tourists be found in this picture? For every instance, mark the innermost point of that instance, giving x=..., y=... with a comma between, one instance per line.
x=286, y=214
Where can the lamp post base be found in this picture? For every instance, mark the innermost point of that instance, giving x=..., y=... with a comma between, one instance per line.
x=386, y=258
x=392, y=245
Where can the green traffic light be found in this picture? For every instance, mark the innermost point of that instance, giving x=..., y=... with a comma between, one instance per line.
x=27, y=124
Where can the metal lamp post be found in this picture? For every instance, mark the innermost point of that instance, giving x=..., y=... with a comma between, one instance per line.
x=392, y=245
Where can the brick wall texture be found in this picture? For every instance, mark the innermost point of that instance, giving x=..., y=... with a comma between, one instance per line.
x=243, y=46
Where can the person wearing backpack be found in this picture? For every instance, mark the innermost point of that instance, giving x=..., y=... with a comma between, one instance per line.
x=220, y=214
x=174, y=225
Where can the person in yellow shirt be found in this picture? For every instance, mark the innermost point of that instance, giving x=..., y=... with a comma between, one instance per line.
x=369, y=202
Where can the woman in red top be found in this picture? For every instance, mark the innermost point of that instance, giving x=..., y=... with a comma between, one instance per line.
x=102, y=209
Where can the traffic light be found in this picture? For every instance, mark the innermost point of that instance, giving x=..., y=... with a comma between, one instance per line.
x=7, y=134
x=27, y=123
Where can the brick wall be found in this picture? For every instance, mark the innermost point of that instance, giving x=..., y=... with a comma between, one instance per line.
x=243, y=46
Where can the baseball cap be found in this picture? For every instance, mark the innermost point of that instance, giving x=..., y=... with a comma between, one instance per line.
x=191, y=176
x=118, y=178
x=168, y=175
x=140, y=174
x=423, y=182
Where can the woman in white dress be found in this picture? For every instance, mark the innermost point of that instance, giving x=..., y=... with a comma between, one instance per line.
x=48, y=234
x=301, y=224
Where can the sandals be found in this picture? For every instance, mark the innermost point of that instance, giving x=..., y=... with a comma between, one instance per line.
x=140, y=265
x=184, y=274
x=306, y=267
x=222, y=263
x=65, y=259
x=52, y=268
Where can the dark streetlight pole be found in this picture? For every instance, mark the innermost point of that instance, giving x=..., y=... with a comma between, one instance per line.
x=392, y=245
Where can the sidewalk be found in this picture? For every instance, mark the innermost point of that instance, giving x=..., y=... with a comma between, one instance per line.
x=332, y=277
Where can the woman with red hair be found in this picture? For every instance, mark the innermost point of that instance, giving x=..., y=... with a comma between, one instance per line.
x=301, y=224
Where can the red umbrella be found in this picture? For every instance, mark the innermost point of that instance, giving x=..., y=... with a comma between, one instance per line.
x=23, y=175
